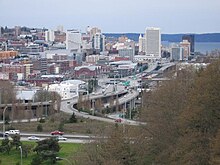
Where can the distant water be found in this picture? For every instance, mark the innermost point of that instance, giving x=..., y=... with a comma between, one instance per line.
x=202, y=47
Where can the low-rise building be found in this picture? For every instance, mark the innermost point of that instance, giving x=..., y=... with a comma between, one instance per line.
x=68, y=89
x=87, y=71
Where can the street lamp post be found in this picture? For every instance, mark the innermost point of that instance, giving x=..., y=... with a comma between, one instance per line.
x=21, y=153
x=4, y=120
x=93, y=107
x=59, y=158
x=115, y=83
x=124, y=117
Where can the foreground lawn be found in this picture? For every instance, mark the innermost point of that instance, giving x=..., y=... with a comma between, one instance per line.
x=67, y=149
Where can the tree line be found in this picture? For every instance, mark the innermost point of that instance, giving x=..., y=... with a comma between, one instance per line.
x=182, y=125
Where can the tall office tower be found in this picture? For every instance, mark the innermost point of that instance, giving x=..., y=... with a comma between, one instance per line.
x=93, y=31
x=141, y=43
x=73, y=40
x=43, y=65
x=186, y=48
x=177, y=53
x=17, y=31
x=153, y=42
x=28, y=69
x=191, y=39
x=49, y=36
x=98, y=43
x=60, y=28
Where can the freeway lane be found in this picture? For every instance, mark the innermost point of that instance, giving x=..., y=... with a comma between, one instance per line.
x=69, y=140
x=77, y=138
x=68, y=108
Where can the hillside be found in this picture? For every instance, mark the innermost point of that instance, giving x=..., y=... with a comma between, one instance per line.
x=206, y=37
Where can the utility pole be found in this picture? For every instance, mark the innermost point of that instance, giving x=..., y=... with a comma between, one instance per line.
x=1, y=96
x=124, y=118
x=21, y=153
x=4, y=120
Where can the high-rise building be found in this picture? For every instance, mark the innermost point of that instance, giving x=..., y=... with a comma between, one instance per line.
x=73, y=40
x=99, y=42
x=153, y=42
x=185, y=44
x=17, y=31
x=177, y=53
x=191, y=39
x=43, y=65
x=49, y=36
x=28, y=69
x=93, y=31
x=141, y=43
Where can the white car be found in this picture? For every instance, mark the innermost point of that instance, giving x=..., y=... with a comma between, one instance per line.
x=33, y=138
x=12, y=132
x=61, y=138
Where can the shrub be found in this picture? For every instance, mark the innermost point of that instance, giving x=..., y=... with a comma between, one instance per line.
x=52, y=120
x=73, y=118
x=61, y=126
x=42, y=120
x=39, y=128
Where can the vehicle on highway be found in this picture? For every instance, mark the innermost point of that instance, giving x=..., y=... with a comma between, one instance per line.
x=61, y=138
x=33, y=138
x=118, y=120
x=12, y=132
x=2, y=134
x=57, y=133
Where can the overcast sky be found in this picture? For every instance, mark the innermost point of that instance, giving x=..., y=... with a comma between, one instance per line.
x=172, y=16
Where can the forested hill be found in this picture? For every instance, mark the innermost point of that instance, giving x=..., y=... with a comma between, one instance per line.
x=206, y=37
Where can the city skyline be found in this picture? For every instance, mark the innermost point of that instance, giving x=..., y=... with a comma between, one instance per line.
x=114, y=16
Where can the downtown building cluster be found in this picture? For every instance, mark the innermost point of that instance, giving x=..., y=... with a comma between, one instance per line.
x=41, y=56
x=150, y=47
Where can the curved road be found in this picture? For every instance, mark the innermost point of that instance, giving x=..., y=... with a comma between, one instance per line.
x=67, y=105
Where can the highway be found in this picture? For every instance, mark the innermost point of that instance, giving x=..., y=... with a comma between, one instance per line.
x=67, y=105
x=68, y=108
x=70, y=138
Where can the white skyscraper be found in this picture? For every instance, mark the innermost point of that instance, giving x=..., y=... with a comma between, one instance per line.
x=153, y=42
x=49, y=36
x=141, y=44
x=73, y=40
x=99, y=42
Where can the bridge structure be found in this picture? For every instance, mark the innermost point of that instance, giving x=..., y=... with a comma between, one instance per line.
x=123, y=99
x=120, y=99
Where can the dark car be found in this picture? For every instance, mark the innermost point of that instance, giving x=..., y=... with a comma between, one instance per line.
x=2, y=134
x=57, y=133
x=118, y=120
